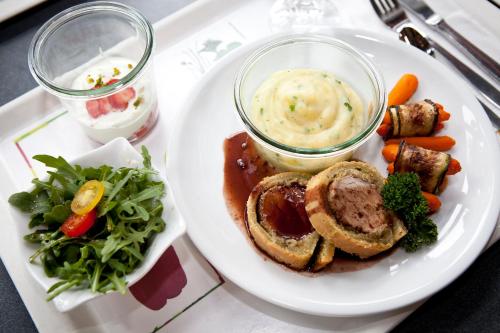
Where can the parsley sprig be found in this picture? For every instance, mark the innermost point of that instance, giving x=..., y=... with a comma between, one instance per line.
x=402, y=194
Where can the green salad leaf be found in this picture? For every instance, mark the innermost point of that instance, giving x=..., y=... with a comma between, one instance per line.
x=402, y=194
x=30, y=202
x=128, y=216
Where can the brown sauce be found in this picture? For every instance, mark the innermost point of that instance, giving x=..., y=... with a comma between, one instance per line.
x=344, y=262
x=243, y=169
x=282, y=209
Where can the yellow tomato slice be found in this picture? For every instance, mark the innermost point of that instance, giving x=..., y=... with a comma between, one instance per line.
x=87, y=197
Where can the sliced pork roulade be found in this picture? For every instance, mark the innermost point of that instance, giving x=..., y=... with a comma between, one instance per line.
x=344, y=205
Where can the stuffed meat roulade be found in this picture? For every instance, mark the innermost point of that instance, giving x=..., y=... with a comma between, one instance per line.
x=345, y=206
x=278, y=224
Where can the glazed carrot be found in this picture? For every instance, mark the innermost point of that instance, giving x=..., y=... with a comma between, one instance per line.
x=443, y=185
x=454, y=167
x=390, y=152
x=438, y=143
x=439, y=126
x=403, y=90
x=390, y=168
x=383, y=130
x=433, y=202
x=443, y=115
x=387, y=118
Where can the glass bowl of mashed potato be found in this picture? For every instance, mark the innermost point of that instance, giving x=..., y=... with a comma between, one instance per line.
x=309, y=101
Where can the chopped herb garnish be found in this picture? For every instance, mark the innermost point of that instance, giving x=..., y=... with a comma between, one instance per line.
x=261, y=110
x=325, y=76
x=99, y=83
x=130, y=66
x=338, y=81
x=348, y=106
x=116, y=71
x=90, y=80
x=292, y=107
x=294, y=97
x=138, y=102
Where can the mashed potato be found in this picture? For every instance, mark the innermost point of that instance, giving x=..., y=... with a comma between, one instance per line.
x=307, y=108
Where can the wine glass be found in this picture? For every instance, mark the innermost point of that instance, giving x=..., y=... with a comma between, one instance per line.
x=302, y=15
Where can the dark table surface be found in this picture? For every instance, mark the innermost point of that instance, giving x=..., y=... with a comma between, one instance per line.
x=470, y=304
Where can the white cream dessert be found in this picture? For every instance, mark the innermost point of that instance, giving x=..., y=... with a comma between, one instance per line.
x=121, y=114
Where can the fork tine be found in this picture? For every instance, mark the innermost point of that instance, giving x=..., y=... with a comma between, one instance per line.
x=378, y=7
x=386, y=5
x=389, y=12
x=393, y=4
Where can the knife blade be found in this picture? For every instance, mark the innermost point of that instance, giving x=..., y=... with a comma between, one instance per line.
x=420, y=9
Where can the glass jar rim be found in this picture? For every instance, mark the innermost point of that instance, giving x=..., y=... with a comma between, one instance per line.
x=67, y=15
x=302, y=152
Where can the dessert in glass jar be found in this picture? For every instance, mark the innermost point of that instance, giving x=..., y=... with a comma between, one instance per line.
x=97, y=58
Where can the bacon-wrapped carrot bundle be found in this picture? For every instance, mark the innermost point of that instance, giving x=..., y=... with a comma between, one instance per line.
x=415, y=119
x=390, y=153
x=431, y=166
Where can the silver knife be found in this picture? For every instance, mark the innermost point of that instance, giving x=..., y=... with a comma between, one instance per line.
x=481, y=59
x=393, y=15
x=487, y=95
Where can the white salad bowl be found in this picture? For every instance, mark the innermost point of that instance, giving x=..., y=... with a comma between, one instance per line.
x=117, y=153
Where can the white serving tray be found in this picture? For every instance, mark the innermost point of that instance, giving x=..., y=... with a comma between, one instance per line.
x=9, y=8
x=189, y=42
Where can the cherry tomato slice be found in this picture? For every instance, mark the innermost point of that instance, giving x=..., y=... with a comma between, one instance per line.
x=77, y=225
x=87, y=197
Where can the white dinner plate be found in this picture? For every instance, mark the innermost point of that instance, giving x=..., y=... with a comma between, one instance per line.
x=465, y=220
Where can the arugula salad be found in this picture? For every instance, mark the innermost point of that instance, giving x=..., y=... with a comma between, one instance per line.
x=93, y=225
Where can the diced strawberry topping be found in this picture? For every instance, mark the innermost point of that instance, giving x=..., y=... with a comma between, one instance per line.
x=93, y=108
x=112, y=81
x=105, y=106
x=113, y=103
x=120, y=100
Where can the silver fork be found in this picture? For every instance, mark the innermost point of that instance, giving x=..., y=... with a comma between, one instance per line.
x=395, y=17
x=390, y=13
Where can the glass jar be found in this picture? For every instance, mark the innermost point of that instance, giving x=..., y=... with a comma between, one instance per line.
x=97, y=59
x=317, y=52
